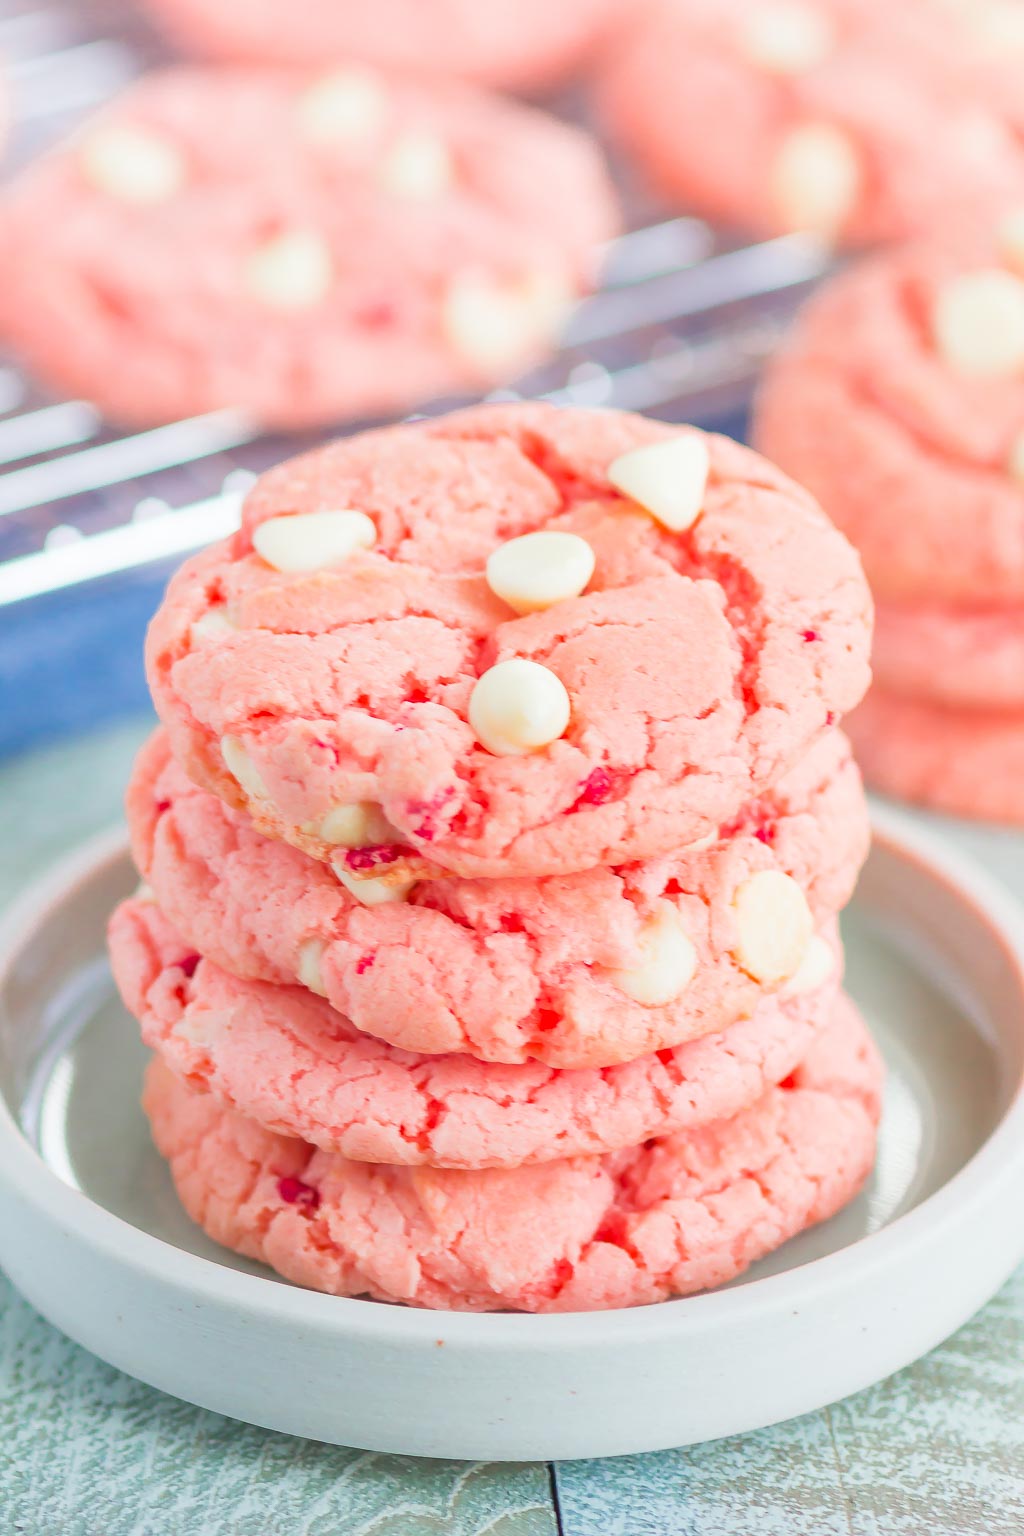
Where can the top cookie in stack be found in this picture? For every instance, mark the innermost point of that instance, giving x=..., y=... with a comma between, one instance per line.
x=499, y=822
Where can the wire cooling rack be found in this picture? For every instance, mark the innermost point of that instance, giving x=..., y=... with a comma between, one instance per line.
x=678, y=328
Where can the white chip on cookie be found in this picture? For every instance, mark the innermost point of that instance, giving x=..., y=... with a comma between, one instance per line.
x=787, y=38
x=242, y=768
x=418, y=166
x=360, y=824
x=815, y=179
x=817, y=966
x=497, y=326
x=1015, y=462
x=308, y=971
x=373, y=890
x=668, y=963
x=349, y=107
x=133, y=164
x=292, y=270
x=313, y=541
x=538, y=570
x=668, y=479
x=214, y=622
x=978, y=323
x=774, y=926
x=518, y=707
x=1010, y=236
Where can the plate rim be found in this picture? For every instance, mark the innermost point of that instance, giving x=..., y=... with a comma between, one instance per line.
x=998, y=1161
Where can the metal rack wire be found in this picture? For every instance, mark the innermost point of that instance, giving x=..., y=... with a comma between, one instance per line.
x=678, y=328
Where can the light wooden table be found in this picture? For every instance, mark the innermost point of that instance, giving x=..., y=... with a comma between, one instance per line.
x=86, y=1451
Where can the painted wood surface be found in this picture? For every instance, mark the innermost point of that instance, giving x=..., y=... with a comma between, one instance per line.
x=86, y=1451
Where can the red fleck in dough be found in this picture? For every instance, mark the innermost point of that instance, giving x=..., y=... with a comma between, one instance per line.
x=678, y=1215
x=506, y=970
x=159, y=300
x=690, y=681
x=514, y=44
x=284, y=1057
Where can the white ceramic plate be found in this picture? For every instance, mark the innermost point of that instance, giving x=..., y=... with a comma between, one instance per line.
x=92, y=1234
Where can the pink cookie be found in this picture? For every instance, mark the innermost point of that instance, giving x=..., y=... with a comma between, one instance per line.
x=304, y=676
x=307, y=250
x=285, y=1058
x=966, y=658
x=899, y=401
x=862, y=120
x=968, y=762
x=515, y=44
x=675, y=1216
x=509, y=969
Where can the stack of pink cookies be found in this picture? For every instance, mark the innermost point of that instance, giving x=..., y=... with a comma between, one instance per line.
x=899, y=401
x=493, y=843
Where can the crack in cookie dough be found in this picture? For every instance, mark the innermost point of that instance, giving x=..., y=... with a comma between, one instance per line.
x=287, y=1059
x=689, y=679
x=675, y=1216
x=505, y=970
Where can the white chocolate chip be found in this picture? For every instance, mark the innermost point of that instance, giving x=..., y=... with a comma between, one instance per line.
x=817, y=966
x=242, y=768
x=348, y=107
x=498, y=327
x=668, y=963
x=309, y=967
x=292, y=270
x=144, y=893
x=701, y=844
x=1015, y=462
x=201, y=1029
x=134, y=165
x=788, y=38
x=418, y=166
x=1011, y=238
x=537, y=570
x=359, y=825
x=815, y=179
x=668, y=479
x=518, y=707
x=774, y=926
x=373, y=890
x=214, y=622
x=978, y=323
x=312, y=541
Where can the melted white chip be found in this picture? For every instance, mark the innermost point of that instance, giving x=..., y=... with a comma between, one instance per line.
x=418, y=166
x=361, y=824
x=373, y=890
x=312, y=541
x=242, y=768
x=978, y=323
x=816, y=179
x=144, y=893
x=537, y=570
x=1011, y=238
x=518, y=707
x=347, y=107
x=497, y=327
x=309, y=967
x=817, y=966
x=668, y=479
x=134, y=165
x=786, y=39
x=215, y=622
x=292, y=270
x=668, y=963
x=774, y=926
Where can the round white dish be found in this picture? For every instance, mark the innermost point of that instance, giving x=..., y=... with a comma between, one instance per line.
x=92, y=1234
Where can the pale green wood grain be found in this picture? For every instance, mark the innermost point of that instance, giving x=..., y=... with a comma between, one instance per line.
x=85, y=1451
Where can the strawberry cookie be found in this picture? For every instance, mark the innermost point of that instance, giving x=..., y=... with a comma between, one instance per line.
x=964, y=658
x=514, y=44
x=304, y=249
x=285, y=1058
x=860, y=120
x=576, y=970
x=669, y=1218
x=515, y=641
